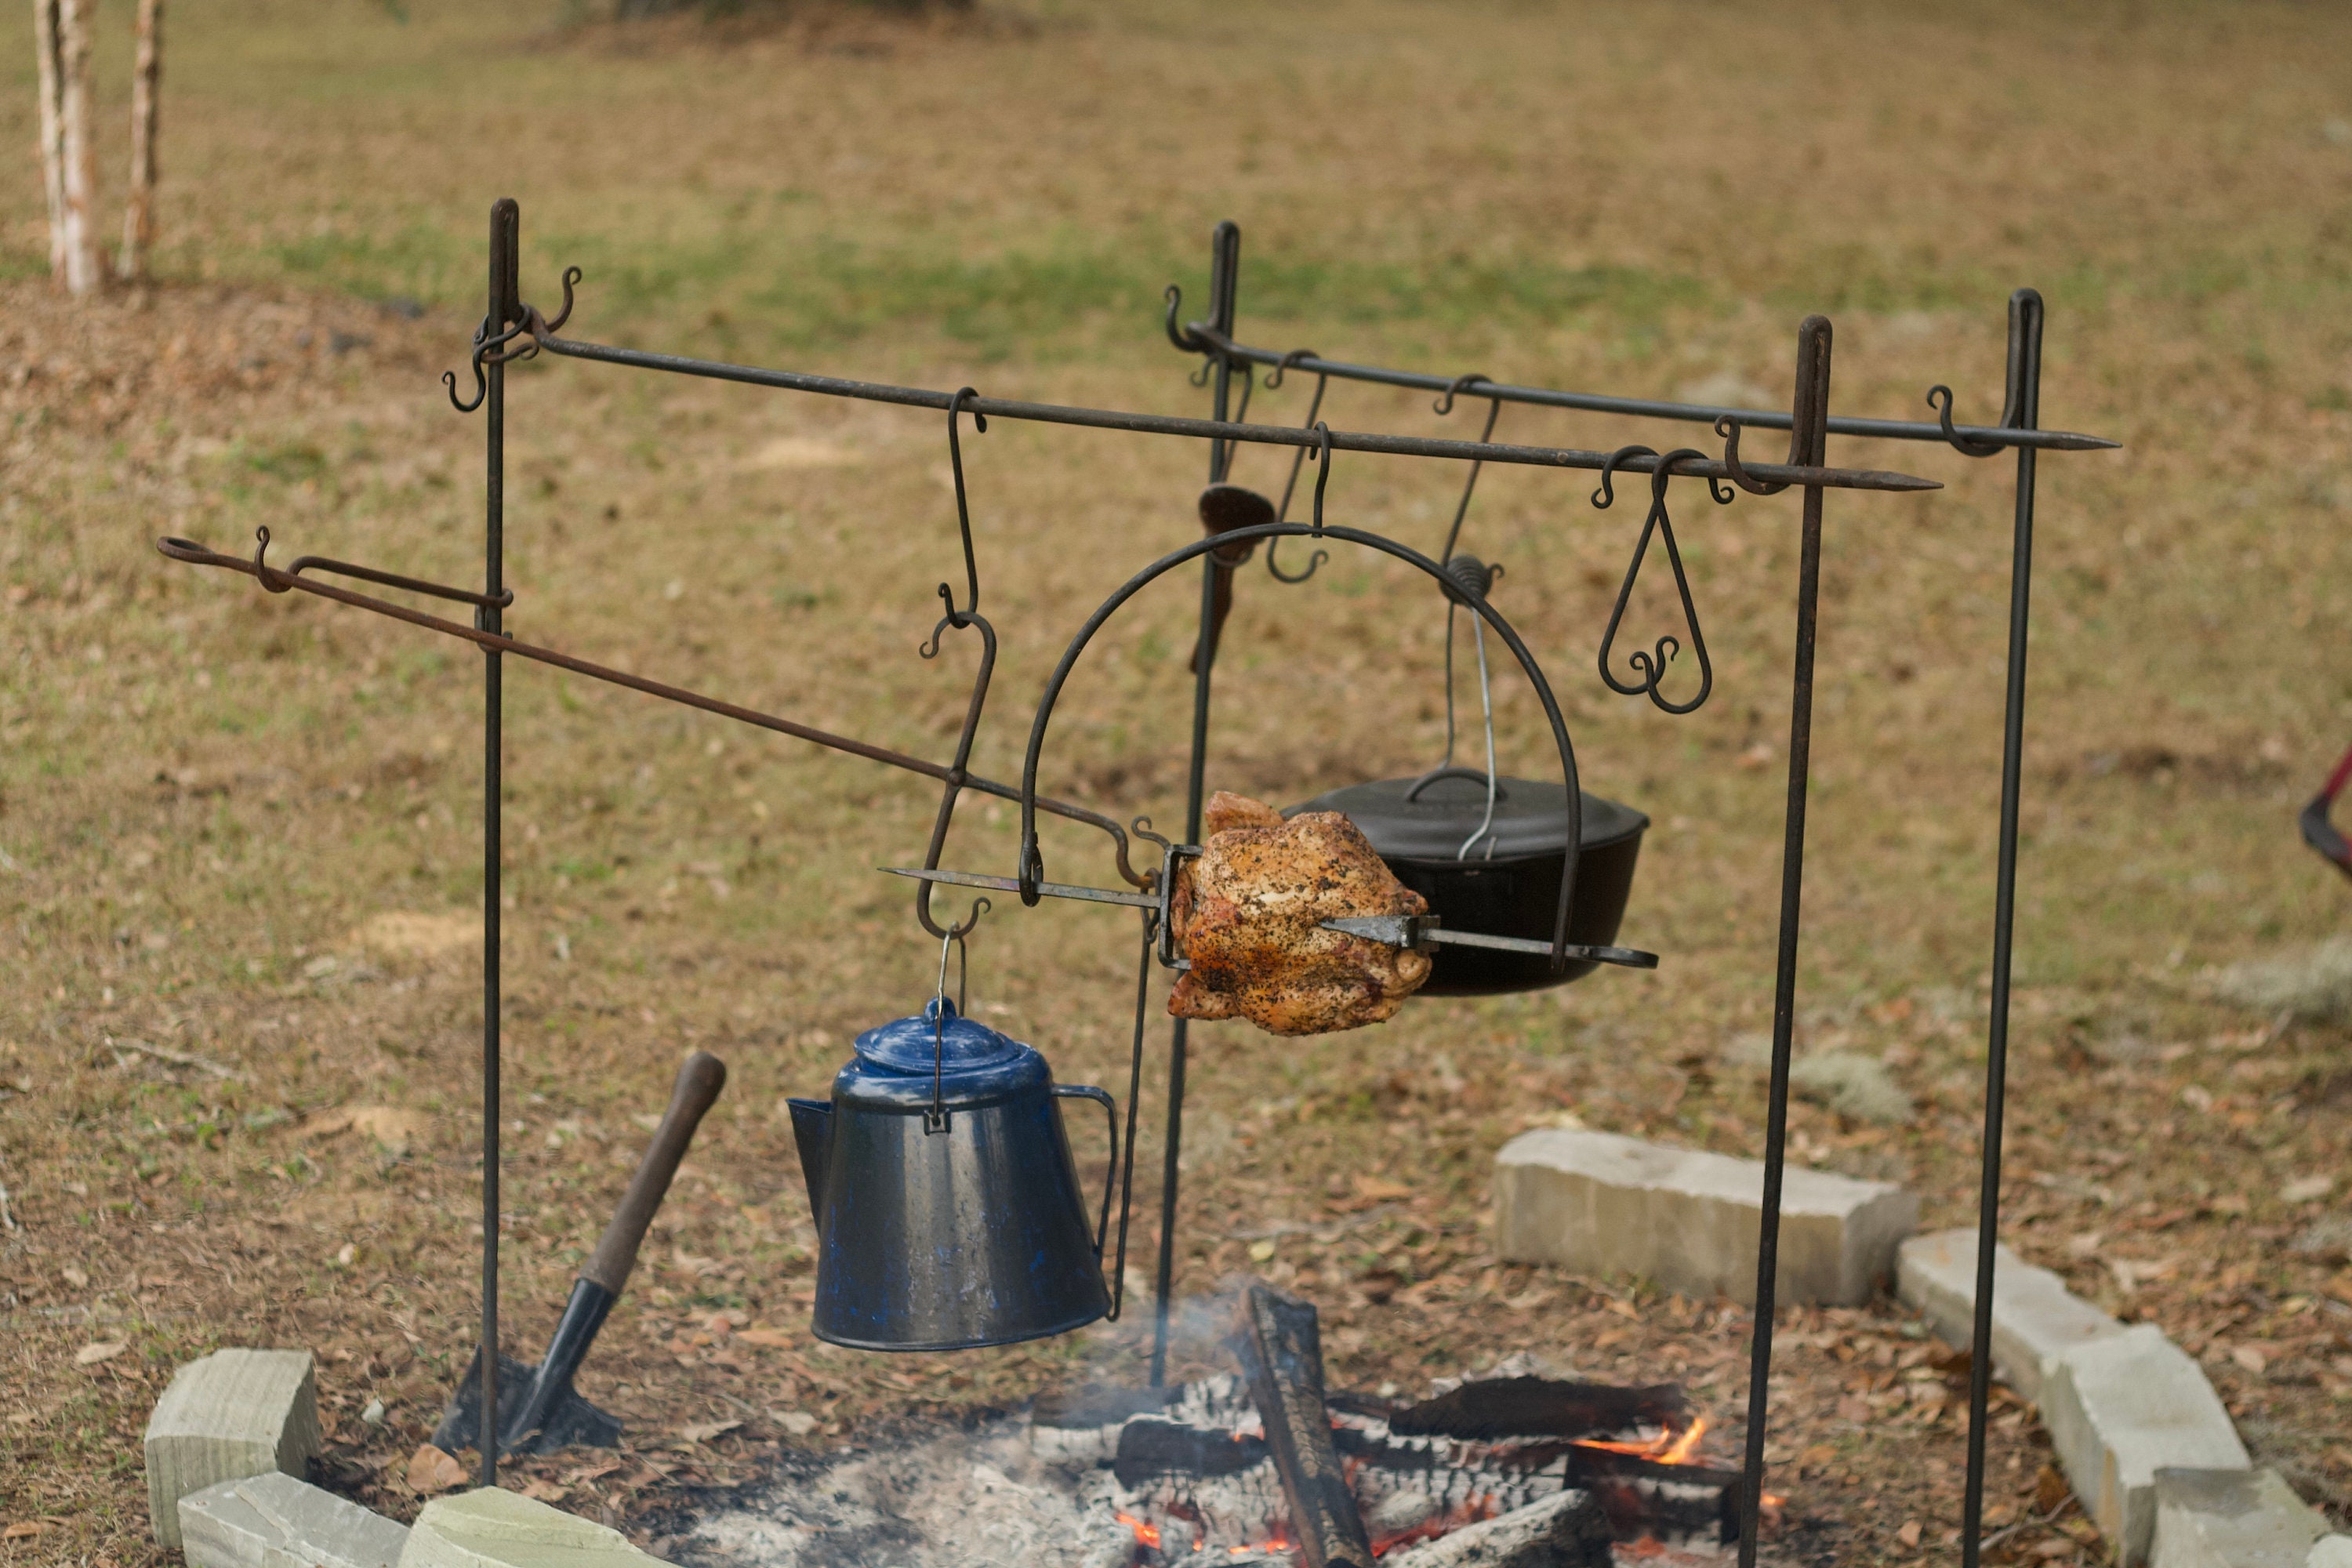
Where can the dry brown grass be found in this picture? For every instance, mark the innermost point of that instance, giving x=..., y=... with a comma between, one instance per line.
x=213, y=800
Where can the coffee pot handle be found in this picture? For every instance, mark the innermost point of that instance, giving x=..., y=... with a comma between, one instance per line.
x=1110, y=1176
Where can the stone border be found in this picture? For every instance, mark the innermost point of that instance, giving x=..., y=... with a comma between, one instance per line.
x=2145, y=1441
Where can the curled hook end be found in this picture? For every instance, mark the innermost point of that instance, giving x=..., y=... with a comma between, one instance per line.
x=1940, y=398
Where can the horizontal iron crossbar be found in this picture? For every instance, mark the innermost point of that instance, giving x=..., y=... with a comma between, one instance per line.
x=1226, y=430
x=1596, y=403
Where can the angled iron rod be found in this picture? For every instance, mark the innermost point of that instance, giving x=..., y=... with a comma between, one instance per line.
x=1813, y=343
x=1225, y=431
x=1221, y=344
x=2025, y=315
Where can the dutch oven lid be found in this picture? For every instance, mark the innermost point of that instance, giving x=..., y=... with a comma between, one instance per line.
x=1444, y=808
x=906, y=1045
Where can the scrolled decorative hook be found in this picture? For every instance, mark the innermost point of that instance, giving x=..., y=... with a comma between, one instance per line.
x=1284, y=365
x=540, y=326
x=1651, y=665
x=1940, y=398
x=482, y=380
x=1186, y=340
x=1445, y=404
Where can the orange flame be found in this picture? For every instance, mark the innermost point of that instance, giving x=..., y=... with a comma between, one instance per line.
x=1668, y=1447
x=1149, y=1534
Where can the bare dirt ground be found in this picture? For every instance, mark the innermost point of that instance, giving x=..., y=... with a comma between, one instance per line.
x=239, y=832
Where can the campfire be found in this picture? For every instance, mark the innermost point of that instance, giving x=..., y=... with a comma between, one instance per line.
x=1506, y=1471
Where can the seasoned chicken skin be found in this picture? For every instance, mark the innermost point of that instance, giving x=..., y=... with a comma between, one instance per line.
x=1248, y=915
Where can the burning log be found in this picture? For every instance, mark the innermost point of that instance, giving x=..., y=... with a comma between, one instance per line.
x=1676, y=1504
x=1283, y=1350
x=1492, y=1408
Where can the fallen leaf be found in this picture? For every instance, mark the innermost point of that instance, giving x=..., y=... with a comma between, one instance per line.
x=540, y=1491
x=1381, y=1189
x=102, y=1350
x=799, y=1423
x=769, y=1339
x=1909, y=1535
x=2250, y=1359
x=704, y=1431
x=75, y=1278
x=430, y=1470
x=23, y=1530
x=2302, y=1189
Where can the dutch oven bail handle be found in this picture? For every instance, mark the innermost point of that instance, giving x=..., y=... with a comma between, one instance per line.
x=1475, y=775
x=1111, y=1177
x=1031, y=871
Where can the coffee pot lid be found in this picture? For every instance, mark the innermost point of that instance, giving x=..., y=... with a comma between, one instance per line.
x=938, y=1034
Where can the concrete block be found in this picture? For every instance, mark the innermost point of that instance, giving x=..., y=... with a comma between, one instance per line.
x=225, y=1417
x=2330, y=1552
x=276, y=1522
x=492, y=1527
x=2036, y=1319
x=1602, y=1203
x=1566, y=1530
x=2231, y=1518
x=2121, y=1409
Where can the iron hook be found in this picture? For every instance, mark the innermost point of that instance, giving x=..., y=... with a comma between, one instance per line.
x=276, y=582
x=1940, y=398
x=1322, y=478
x=1445, y=404
x=1606, y=496
x=1283, y=365
x=963, y=514
x=1728, y=428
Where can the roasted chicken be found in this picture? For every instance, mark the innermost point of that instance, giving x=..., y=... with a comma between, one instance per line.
x=1248, y=913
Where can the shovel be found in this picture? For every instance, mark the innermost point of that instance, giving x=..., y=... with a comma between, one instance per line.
x=539, y=1412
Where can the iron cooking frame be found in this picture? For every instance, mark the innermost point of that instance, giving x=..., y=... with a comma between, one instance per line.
x=513, y=330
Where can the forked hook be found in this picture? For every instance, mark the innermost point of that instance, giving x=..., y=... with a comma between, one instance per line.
x=1651, y=665
x=1940, y=398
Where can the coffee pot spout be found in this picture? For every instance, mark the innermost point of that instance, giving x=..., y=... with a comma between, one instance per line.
x=813, y=1130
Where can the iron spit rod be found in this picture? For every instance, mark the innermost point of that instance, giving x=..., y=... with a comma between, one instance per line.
x=2026, y=328
x=1224, y=347
x=1224, y=430
x=1812, y=390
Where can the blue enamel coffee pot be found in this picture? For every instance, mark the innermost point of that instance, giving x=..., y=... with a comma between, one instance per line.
x=947, y=1209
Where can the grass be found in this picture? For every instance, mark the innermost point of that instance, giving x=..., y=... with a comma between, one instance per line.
x=206, y=795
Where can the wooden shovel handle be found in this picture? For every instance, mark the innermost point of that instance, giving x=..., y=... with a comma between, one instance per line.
x=698, y=1083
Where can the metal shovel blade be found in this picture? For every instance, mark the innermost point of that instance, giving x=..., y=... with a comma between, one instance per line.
x=570, y=1420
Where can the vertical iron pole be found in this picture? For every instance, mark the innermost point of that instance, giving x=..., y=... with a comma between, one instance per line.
x=1225, y=266
x=1811, y=418
x=2025, y=402
x=504, y=306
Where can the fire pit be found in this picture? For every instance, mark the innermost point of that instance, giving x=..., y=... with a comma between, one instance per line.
x=1511, y=1470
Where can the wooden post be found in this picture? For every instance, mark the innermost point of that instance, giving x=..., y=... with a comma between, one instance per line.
x=53, y=171
x=1282, y=1350
x=78, y=157
x=139, y=208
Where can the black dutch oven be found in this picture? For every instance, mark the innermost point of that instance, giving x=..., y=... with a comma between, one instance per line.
x=1507, y=882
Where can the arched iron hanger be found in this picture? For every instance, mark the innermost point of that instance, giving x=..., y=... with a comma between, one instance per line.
x=1031, y=869
x=1650, y=666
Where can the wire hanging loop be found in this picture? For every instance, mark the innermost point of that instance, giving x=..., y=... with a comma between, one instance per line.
x=1650, y=666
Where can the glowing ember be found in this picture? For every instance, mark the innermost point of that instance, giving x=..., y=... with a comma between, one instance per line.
x=1147, y=1533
